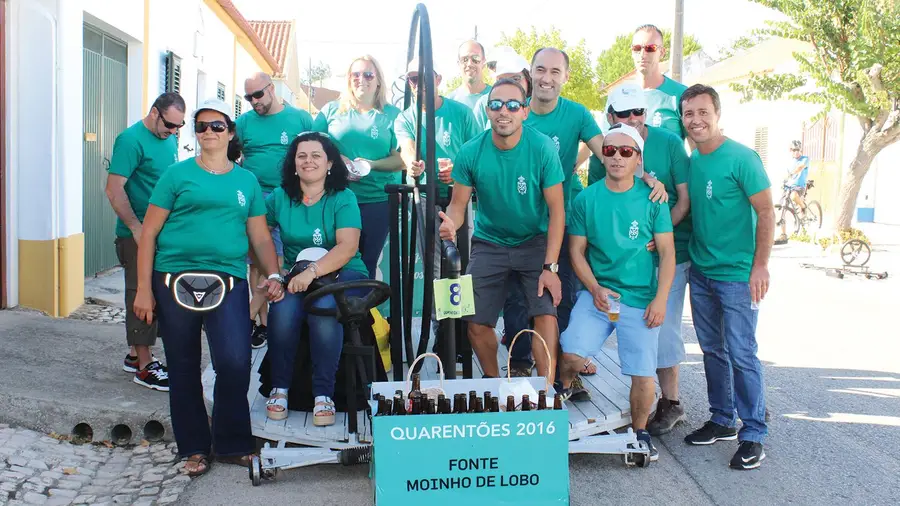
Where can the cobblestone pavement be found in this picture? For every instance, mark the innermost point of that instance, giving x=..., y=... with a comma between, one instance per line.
x=99, y=313
x=38, y=469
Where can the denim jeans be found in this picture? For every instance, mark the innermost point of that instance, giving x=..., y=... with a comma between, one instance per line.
x=515, y=314
x=228, y=335
x=726, y=331
x=374, y=233
x=326, y=338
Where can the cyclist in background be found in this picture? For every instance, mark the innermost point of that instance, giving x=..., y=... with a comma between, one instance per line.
x=797, y=182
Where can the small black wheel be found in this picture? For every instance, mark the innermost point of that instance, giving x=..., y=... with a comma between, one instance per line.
x=642, y=459
x=255, y=470
x=856, y=252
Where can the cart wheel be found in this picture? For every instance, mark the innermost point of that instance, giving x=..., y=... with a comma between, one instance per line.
x=255, y=470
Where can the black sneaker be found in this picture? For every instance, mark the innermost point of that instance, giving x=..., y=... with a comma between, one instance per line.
x=710, y=433
x=131, y=364
x=748, y=456
x=643, y=435
x=520, y=369
x=259, y=336
x=668, y=414
x=154, y=376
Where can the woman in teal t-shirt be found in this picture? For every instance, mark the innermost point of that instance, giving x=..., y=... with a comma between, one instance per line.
x=314, y=209
x=203, y=213
x=362, y=124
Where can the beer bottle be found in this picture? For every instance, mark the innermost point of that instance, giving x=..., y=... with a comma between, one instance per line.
x=472, y=396
x=557, y=401
x=432, y=407
x=416, y=384
x=444, y=405
x=388, y=407
x=487, y=400
x=460, y=405
x=542, y=400
x=479, y=405
x=381, y=404
x=495, y=404
x=440, y=401
x=416, y=406
x=510, y=403
x=526, y=403
x=399, y=406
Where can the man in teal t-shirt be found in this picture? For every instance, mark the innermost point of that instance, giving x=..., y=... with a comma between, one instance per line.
x=141, y=153
x=733, y=222
x=610, y=225
x=520, y=222
x=471, y=59
x=265, y=133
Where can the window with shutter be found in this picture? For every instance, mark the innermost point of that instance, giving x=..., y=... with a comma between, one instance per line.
x=761, y=145
x=238, y=105
x=173, y=73
x=220, y=91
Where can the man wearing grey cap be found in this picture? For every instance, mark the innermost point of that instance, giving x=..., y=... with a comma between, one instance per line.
x=609, y=226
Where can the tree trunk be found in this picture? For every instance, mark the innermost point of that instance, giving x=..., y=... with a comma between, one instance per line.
x=867, y=150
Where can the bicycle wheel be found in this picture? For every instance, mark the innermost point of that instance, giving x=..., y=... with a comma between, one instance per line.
x=855, y=253
x=787, y=217
x=813, y=219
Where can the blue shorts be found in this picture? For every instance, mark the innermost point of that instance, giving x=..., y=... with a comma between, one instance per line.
x=671, y=343
x=276, y=237
x=589, y=328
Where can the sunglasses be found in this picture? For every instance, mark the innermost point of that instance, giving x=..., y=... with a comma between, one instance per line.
x=169, y=124
x=626, y=151
x=217, y=126
x=474, y=59
x=627, y=113
x=256, y=94
x=368, y=76
x=512, y=105
x=650, y=48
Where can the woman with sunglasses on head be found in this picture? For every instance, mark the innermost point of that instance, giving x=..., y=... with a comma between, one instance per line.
x=191, y=271
x=314, y=209
x=362, y=124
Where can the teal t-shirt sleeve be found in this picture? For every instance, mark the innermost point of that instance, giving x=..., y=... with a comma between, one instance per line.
x=271, y=211
x=320, y=124
x=257, y=205
x=662, y=218
x=346, y=212
x=575, y=219
x=552, y=173
x=470, y=127
x=589, y=127
x=462, y=169
x=681, y=164
x=239, y=126
x=752, y=175
x=163, y=195
x=126, y=156
x=402, y=129
x=306, y=120
x=596, y=170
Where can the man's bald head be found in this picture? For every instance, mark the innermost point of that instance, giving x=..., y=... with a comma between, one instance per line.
x=257, y=80
x=260, y=93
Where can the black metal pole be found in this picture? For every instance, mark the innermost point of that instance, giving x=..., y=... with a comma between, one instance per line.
x=451, y=260
x=396, y=293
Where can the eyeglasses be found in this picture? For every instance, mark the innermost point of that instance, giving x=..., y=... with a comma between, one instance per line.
x=512, y=105
x=168, y=124
x=626, y=151
x=368, y=76
x=627, y=113
x=650, y=48
x=217, y=126
x=256, y=94
x=473, y=58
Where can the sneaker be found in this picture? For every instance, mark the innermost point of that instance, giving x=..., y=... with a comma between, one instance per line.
x=710, y=433
x=668, y=414
x=748, y=456
x=781, y=240
x=644, y=436
x=131, y=363
x=519, y=369
x=259, y=336
x=154, y=377
x=577, y=392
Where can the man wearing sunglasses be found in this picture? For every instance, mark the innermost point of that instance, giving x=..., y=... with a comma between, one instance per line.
x=266, y=132
x=141, y=153
x=519, y=225
x=471, y=67
x=609, y=226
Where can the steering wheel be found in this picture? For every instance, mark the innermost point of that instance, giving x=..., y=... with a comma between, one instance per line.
x=348, y=307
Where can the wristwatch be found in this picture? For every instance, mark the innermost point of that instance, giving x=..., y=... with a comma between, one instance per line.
x=277, y=277
x=554, y=267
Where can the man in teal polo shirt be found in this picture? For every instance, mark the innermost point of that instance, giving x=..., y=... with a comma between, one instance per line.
x=609, y=227
x=141, y=153
x=733, y=222
x=265, y=133
x=471, y=66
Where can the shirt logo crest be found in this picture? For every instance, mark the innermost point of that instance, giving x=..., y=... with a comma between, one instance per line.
x=556, y=141
x=317, y=237
x=374, y=132
x=523, y=189
x=657, y=119
x=633, y=230
x=709, y=189
x=284, y=138
x=445, y=139
x=241, y=199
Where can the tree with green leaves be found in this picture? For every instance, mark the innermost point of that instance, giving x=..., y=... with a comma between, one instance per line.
x=741, y=43
x=316, y=74
x=855, y=64
x=616, y=61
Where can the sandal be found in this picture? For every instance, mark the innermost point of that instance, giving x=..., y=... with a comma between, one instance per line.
x=200, y=464
x=237, y=460
x=589, y=368
x=277, y=406
x=323, y=412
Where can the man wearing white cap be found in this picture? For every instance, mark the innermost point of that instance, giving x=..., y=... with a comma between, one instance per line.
x=609, y=225
x=664, y=159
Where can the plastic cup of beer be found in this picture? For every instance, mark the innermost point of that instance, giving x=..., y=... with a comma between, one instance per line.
x=614, y=307
x=444, y=164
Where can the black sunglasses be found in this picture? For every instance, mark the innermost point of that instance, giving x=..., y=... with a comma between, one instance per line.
x=627, y=113
x=217, y=126
x=368, y=76
x=625, y=151
x=256, y=94
x=650, y=48
x=168, y=124
x=512, y=105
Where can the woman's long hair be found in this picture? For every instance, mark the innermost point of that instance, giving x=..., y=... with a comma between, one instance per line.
x=335, y=181
x=348, y=98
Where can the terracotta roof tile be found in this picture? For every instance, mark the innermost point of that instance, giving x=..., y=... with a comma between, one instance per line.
x=276, y=35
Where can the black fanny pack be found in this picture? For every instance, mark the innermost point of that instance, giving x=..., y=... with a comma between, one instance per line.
x=199, y=290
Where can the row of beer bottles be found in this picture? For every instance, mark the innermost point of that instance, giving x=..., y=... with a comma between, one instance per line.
x=418, y=404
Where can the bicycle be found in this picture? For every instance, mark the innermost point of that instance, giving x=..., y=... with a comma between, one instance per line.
x=794, y=219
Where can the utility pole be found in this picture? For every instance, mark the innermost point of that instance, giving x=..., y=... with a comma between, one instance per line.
x=476, y=32
x=309, y=90
x=677, y=49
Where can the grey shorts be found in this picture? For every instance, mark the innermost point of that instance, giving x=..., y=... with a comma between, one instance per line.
x=492, y=266
x=137, y=332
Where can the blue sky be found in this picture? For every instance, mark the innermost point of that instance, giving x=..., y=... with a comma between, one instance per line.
x=335, y=32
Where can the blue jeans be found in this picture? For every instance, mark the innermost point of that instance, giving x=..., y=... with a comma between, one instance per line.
x=326, y=338
x=515, y=314
x=374, y=233
x=228, y=335
x=726, y=331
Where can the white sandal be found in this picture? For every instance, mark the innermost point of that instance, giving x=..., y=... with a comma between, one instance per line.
x=323, y=412
x=277, y=406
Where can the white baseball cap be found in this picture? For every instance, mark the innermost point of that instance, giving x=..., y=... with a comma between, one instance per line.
x=626, y=97
x=630, y=131
x=213, y=104
x=413, y=66
x=511, y=64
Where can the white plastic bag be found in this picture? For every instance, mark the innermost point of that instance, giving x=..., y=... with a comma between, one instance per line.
x=516, y=388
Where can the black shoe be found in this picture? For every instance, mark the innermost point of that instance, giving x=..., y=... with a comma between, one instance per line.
x=710, y=433
x=748, y=456
x=154, y=376
x=668, y=414
x=644, y=436
x=259, y=336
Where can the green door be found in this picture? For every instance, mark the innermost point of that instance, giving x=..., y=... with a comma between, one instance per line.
x=105, y=102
